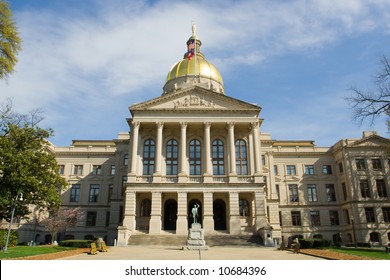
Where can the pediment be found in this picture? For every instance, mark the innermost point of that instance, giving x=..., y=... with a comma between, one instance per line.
x=195, y=99
x=371, y=141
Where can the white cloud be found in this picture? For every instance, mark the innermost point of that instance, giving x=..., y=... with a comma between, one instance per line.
x=74, y=59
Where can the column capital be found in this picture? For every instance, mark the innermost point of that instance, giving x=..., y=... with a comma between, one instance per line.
x=230, y=125
x=207, y=124
x=254, y=125
x=183, y=124
x=160, y=124
x=135, y=124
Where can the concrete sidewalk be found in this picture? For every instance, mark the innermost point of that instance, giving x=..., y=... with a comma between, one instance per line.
x=177, y=253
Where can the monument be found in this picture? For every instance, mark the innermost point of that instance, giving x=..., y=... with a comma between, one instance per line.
x=195, y=239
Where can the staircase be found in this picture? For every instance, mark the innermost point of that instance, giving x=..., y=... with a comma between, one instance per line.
x=170, y=239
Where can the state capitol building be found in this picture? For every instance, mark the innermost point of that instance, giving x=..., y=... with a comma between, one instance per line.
x=196, y=145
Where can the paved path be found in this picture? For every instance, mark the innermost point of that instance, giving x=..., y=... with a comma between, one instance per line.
x=177, y=253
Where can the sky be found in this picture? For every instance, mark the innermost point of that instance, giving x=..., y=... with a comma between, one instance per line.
x=83, y=63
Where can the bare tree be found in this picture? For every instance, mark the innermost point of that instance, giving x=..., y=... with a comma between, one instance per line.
x=369, y=105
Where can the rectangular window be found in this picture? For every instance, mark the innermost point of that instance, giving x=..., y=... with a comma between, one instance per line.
x=309, y=169
x=315, y=218
x=291, y=170
x=78, y=170
x=376, y=164
x=334, y=217
x=345, y=193
x=110, y=191
x=326, y=169
x=112, y=170
x=364, y=189
x=277, y=190
x=75, y=193
x=296, y=218
x=386, y=214
x=341, y=168
x=61, y=169
x=293, y=190
x=263, y=160
x=97, y=170
x=330, y=192
x=370, y=215
x=346, y=216
x=107, y=218
x=276, y=171
x=280, y=218
x=312, y=192
x=126, y=159
x=381, y=188
x=94, y=193
x=91, y=219
x=360, y=164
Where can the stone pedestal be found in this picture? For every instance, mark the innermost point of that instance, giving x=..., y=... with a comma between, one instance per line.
x=195, y=239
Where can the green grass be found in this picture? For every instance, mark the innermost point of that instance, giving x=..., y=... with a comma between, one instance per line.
x=369, y=253
x=24, y=251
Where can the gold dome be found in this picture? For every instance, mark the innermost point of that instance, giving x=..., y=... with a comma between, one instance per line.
x=194, y=70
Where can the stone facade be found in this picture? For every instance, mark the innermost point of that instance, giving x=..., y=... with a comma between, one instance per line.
x=195, y=145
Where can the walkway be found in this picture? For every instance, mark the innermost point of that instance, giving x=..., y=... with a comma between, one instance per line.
x=176, y=253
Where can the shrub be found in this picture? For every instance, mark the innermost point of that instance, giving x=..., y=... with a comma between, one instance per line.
x=76, y=243
x=314, y=243
x=13, y=237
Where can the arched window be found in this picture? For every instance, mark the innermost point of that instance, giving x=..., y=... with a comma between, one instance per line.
x=218, y=156
x=244, y=208
x=146, y=206
x=195, y=157
x=241, y=158
x=149, y=157
x=172, y=157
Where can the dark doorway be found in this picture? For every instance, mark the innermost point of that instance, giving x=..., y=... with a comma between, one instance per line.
x=170, y=214
x=219, y=209
x=200, y=212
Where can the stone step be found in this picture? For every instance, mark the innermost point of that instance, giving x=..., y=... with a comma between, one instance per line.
x=211, y=240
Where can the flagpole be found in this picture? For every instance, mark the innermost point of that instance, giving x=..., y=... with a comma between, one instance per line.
x=194, y=35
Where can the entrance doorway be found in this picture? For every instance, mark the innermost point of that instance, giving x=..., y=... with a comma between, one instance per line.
x=200, y=212
x=219, y=209
x=170, y=214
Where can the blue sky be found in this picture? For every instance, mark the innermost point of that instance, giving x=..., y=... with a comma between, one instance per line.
x=85, y=62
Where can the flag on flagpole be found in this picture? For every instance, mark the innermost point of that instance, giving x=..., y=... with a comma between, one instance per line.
x=191, y=49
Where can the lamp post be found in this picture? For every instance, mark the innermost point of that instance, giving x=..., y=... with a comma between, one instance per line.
x=20, y=197
x=354, y=233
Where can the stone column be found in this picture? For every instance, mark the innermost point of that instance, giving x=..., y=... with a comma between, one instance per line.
x=128, y=225
x=134, y=150
x=255, y=132
x=232, y=153
x=260, y=212
x=157, y=168
x=234, y=221
x=182, y=215
x=208, y=215
x=183, y=153
x=155, y=216
x=207, y=147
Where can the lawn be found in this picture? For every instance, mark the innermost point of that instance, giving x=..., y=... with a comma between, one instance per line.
x=370, y=253
x=24, y=251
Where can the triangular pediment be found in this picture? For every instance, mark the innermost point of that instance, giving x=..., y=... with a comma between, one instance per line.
x=371, y=141
x=194, y=99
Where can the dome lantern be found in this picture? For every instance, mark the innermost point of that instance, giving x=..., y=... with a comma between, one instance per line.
x=193, y=69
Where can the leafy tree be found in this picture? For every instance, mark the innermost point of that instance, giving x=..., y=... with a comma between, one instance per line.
x=369, y=105
x=26, y=165
x=62, y=219
x=10, y=42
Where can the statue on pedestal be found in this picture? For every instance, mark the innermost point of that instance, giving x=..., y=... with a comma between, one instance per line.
x=195, y=213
